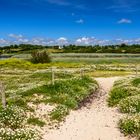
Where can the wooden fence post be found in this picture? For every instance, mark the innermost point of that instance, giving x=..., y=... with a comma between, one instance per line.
x=64, y=71
x=52, y=75
x=82, y=72
x=2, y=92
x=136, y=70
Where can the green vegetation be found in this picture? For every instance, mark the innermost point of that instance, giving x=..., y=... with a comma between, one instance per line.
x=123, y=48
x=130, y=104
x=35, y=121
x=130, y=125
x=116, y=95
x=14, y=63
x=66, y=94
x=40, y=57
x=136, y=82
x=59, y=113
x=13, y=125
x=28, y=80
x=126, y=95
x=121, y=90
x=12, y=117
x=29, y=85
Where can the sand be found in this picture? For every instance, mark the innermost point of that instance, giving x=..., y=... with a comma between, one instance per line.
x=95, y=122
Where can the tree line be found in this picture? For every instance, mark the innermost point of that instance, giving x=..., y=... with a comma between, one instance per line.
x=28, y=48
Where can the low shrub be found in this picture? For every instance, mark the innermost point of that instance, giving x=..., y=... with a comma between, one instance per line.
x=119, y=93
x=130, y=104
x=130, y=125
x=116, y=95
x=40, y=57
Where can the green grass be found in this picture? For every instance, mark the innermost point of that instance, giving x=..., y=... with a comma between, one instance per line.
x=59, y=113
x=68, y=90
x=116, y=95
x=98, y=60
x=14, y=63
x=121, y=90
x=130, y=104
x=130, y=125
x=126, y=96
x=107, y=73
x=67, y=94
x=35, y=121
x=136, y=82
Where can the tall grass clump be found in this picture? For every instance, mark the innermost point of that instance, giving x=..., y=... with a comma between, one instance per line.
x=40, y=57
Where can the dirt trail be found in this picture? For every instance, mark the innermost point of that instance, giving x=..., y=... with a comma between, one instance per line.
x=97, y=122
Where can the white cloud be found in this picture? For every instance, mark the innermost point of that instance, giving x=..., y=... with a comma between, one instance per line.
x=4, y=42
x=62, y=41
x=23, y=40
x=51, y=42
x=85, y=40
x=91, y=41
x=15, y=36
x=137, y=41
x=80, y=21
x=19, y=39
x=125, y=21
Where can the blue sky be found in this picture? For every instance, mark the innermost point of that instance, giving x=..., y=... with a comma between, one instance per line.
x=68, y=21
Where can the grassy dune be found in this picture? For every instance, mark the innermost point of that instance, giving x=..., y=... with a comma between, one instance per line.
x=126, y=96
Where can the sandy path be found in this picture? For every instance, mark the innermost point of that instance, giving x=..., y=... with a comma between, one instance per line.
x=97, y=122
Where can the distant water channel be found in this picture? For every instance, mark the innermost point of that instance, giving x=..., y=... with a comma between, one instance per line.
x=2, y=57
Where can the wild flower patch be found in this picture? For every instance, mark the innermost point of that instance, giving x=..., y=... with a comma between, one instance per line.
x=126, y=95
x=19, y=134
x=13, y=125
x=130, y=104
x=121, y=90
x=130, y=124
x=12, y=117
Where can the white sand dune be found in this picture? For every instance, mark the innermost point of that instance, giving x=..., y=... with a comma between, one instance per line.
x=96, y=122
